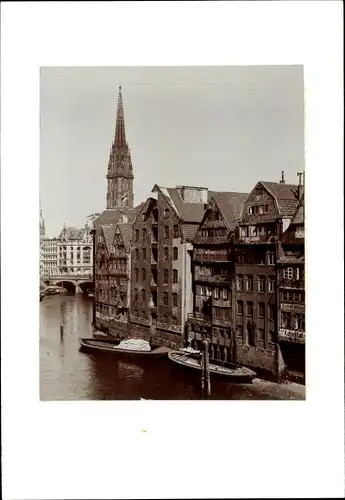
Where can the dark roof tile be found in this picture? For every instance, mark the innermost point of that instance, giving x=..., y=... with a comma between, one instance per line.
x=285, y=195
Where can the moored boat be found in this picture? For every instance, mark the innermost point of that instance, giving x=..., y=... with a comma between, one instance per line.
x=233, y=373
x=110, y=346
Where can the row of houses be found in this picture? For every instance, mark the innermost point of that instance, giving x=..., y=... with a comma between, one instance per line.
x=191, y=262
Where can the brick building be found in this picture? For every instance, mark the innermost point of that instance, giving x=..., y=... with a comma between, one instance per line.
x=291, y=294
x=161, y=284
x=213, y=276
x=266, y=213
x=112, y=279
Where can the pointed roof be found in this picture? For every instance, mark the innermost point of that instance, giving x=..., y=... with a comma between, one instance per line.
x=298, y=218
x=108, y=232
x=230, y=205
x=286, y=196
x=120, y=133
x=126, y=232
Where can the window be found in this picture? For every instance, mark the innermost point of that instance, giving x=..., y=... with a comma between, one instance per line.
x=240, y=282
x=250, y=210
x=225, y=294
x=240, y=331
x=261, y=284
x=266, y=209
x=165, y=298
x=175, y=253
x=137, y=254
x=271, y=312
x=166, y=253
x=166, y=232
x=285, y=319
x=175, y=231
x=174, y=321
x=166, y=276
x=144, y=234
x=270, y=259
x=271, y=285
x=240, y=307
x=175, y=276
x=144, y=274
x=174, y=297
x=261, y=334
x=240, y=257
x=208, y=291
x=300, y=322
x=249, y=308
x=249, y=283
x=288, y=272
x=244, y=231
x=136, y=295
x=216, y=293
x=137, y=235
x=261, y=310
x=144, y=253
x=136, y=274
x=166, y=212
x=143, y=295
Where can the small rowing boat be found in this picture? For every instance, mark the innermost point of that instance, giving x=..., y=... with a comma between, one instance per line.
x=234, y=373
x=110, y=346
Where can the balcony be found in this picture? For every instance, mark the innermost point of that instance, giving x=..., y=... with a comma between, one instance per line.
x=297, y=336
x=262, y=239
x=199, y=318
x=215, y=257
x=217, y=278
x=211, y=240
x=291, y=283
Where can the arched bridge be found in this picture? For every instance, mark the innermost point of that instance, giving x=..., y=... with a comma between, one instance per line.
x=72, y=283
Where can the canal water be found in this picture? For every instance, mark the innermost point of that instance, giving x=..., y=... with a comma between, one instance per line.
x=67, y=374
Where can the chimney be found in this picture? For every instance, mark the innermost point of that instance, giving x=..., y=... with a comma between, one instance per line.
x=282, y=179
x=300, y=184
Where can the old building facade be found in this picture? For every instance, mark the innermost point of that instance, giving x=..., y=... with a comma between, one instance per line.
x=265, y=214
x=161, y=284
x=291, y=294
x=112, y=279
x=74, y=252
x=213, y=277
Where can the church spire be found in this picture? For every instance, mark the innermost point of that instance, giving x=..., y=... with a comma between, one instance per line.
x=42, y=225
x=120, y=171
x=120, y=134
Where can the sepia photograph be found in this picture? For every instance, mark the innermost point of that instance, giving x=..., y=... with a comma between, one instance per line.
x=172, y=233
x=172, y=254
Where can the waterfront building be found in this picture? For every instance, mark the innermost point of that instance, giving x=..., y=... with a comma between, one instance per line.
x=291, y=293
x=161, y=276
x=214, y=305
x=265, y=215
x=112, y=279
x=74, y=252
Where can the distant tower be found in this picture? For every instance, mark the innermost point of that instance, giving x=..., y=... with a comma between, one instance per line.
x=120, y=171
x=42, y=226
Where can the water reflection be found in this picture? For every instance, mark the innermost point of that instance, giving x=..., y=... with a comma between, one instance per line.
x=66, y=373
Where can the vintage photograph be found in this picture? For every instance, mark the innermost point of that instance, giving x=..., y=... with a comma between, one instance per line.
x=172, y=219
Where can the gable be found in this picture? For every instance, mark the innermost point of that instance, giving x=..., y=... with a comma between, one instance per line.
x=259, y=206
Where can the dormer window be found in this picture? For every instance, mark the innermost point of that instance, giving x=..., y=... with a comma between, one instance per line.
x=166, y=212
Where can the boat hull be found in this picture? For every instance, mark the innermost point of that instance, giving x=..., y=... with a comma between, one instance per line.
x=100, y=346
x=225, y=371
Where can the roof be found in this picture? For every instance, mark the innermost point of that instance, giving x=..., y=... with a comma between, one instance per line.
x=230, y=205
x=299, y=215
x=126, y=232
x=111, y=216
x=285, y=195
x=108, y=232
x=71, y=233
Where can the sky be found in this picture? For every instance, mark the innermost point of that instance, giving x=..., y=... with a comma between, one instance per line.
x=224, y=128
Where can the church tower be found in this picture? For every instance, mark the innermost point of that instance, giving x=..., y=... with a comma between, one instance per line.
x=42, y=226
x=120, y=171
